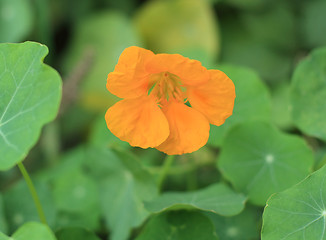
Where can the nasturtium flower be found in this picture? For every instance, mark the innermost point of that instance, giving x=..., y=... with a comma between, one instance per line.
x=155, y=89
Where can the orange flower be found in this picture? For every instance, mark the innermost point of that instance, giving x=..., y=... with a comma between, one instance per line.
x=155, y=88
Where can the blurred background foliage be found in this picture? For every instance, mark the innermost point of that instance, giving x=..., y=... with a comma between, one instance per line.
x=87, y=177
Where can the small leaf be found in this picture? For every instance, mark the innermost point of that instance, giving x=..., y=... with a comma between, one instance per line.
x=31, y=231
x=240, y=227
x=260, y=160
x=308, y=94
x=252, y=101
x=298, y=212
x=30, y=96
x=178, y=225
x=75, y=233
x=217, y=198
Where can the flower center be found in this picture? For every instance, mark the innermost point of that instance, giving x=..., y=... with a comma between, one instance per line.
x=166, y=87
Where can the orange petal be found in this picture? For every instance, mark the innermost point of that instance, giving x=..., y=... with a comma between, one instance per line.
x=140, y=122
x=189, y=129
x=129, y=78
x=214, y=99
x=191, y=72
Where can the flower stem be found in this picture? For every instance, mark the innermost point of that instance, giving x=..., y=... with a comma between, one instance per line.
x=33, y=192
x=165, y=169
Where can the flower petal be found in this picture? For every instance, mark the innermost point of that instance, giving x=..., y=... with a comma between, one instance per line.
x=214, y=99
x=191, y=72
x=129, y=78
x=189, y=129
x=140, y=122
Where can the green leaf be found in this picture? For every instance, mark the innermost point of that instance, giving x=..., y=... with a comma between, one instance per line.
x=217, y=198
x=122, y=194
x=20, y=207
x=178, y=225
x=96, y=46
x=260, y=160
x=16, y=20
x=240, y=227
x=30, y=96
x=31, y=231
x=187, y=27
x=75, y=233
x=75, y=192
x=308, y=94
x=3, y=221
x=252, y=101
x=298, y=212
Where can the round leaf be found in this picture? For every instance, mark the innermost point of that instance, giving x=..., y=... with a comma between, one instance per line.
x=252, y=102
x=30, y=96
x=260, y=160
x=308, y=94
x=217, y=198
x=178, y=225
x=299, y=212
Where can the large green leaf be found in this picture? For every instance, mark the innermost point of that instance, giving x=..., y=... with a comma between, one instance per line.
x=187, y=27
x=308, y=94
x=75, y=233
x=244, y=226
x=178, y=225
x=252, y=101
x=260, y=160
x=299, y=212
x=122, y=194
x=30, y=96
x=217, y=198
x=16, y=20
x=31, y=231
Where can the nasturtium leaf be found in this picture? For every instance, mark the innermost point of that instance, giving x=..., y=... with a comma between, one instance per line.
x=178, y=225
x=3, y=221
x=75, y=192
x=308, y=94
x=260, y=160
x=252, y=102
x=31, y=231
x=88, y=218
x=298, y=212
x=75, y=233
x=95, y=48
x=244, y=226
x=122, y=194
x=16, y=20
x=187, y=27
x=217, y=198
x=30, y=96
x=20, y=207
